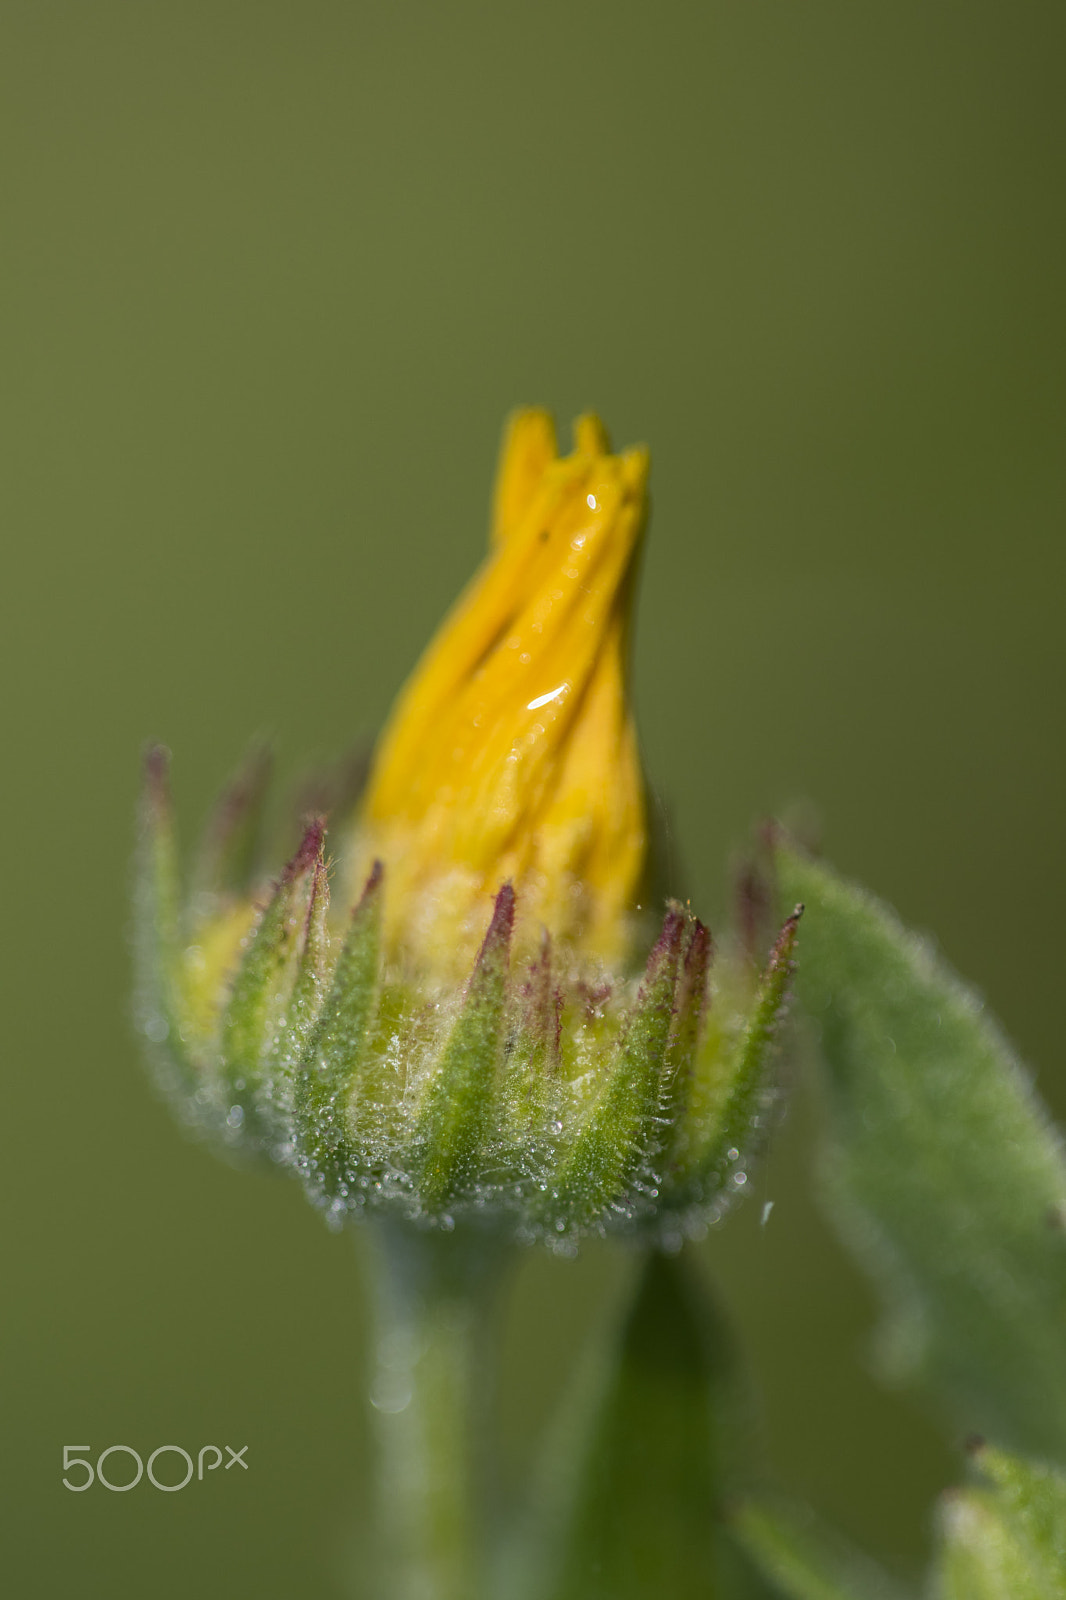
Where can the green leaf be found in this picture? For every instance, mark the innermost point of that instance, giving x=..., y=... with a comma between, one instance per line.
x=631, y=1508
x=1011, y=1542
x=982, y=1558
x=803, y=1559
x=1034, y=1495
x=943, y=1169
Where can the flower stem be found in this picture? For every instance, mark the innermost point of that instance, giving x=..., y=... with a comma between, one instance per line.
x=430, y=1393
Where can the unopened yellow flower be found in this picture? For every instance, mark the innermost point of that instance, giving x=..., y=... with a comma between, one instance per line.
x=459, y=1031
x=511, y=754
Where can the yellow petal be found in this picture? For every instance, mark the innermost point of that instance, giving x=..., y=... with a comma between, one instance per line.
x=511, y=753
x=528, y=446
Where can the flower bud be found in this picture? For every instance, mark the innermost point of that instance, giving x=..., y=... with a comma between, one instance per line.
x=465, y=1034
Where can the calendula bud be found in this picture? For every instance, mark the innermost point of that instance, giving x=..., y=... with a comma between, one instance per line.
x=511, y=755
x=470, y=1035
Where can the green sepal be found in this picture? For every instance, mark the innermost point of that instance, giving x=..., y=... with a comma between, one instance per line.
x=617, y=1133
x=733, y=1081
x=335, y=1053
x=457, y=1110
x=262, y=991
x=530, y=1081
x=690, y=1009
x=291, y=1041
x=1007, y=1540
x=942, y=1169
x=159, y=1005
x=229, y=846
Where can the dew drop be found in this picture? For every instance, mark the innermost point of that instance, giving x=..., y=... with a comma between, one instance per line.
x=391, y=1393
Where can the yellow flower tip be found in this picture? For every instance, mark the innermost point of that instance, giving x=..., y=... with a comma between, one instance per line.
x=511, y=753
x=528, y=449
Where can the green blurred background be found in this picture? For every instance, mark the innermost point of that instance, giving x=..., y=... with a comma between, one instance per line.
x=272, y=275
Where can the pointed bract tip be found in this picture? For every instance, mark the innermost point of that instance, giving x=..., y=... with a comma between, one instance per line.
x=309, y=850
x=770, y=833
x=226, y=859
x=696, y=964
x=319, y=891
x=690, y=992
x=245, y=790
x=668, y=945
x=753, y=897
x=502, y=924
x=799, y=831
x=700, y=946
x=782, y=950
x=157, y=775
x=366, y=906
